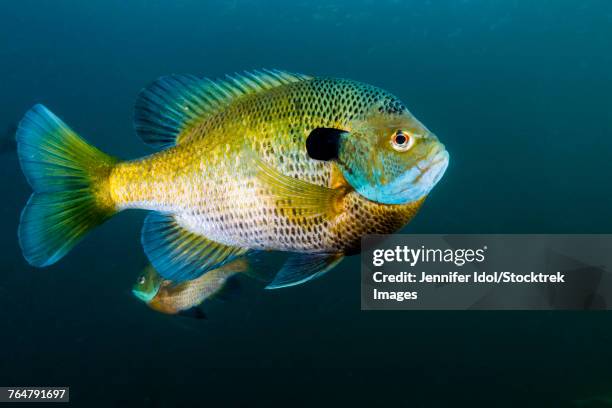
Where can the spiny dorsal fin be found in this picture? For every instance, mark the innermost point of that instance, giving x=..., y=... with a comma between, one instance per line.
x=173, y=104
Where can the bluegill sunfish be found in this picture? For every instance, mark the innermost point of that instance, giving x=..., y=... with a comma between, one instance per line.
x=262, y=161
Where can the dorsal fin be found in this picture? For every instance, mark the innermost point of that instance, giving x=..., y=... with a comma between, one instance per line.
x=173, y=104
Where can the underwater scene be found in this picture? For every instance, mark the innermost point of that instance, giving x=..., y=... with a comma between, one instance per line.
x=225, y=158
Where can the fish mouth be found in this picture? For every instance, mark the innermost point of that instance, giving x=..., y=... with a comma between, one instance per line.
x=433, y=169
x=145, y=297
x=423, y=177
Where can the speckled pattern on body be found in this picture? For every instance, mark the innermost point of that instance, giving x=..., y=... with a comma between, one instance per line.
x=210, y=181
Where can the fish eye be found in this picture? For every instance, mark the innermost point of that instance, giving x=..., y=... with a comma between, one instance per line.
x=142, y=280
x=401, y=141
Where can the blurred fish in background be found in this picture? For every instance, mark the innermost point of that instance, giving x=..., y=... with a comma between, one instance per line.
x=186, y=298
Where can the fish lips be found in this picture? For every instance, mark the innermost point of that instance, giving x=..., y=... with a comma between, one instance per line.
x=415, y=183
x=433, y=170
x=145, y=297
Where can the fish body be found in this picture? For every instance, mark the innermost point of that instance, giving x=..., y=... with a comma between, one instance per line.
x=209, y=181
x=169, y=298
x=264, y=161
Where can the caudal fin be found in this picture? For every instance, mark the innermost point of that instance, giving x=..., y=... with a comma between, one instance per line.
x=70, y=182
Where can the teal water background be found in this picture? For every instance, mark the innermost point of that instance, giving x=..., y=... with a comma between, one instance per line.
x=519, y=91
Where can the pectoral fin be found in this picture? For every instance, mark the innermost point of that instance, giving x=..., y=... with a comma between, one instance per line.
x=337, y=180
x=298, y=197
x=180, y=255
x=300, y=268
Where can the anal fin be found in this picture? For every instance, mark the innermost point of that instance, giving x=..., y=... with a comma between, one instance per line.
x=180, y=255
x=300, y=268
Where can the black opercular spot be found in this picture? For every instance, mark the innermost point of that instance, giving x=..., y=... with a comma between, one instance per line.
x=323, y=143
